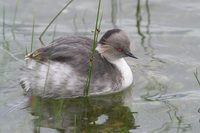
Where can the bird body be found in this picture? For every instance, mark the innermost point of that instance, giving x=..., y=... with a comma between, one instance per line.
x=60, y=70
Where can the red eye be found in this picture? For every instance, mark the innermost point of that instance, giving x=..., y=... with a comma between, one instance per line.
x=119, y=49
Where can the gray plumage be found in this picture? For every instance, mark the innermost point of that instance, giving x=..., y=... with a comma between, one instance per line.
x=73, y=52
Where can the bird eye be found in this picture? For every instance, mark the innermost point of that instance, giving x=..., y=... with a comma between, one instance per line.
x=119, y=49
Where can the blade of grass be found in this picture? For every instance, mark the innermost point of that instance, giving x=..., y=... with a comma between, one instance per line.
x=197, y=77
x=75, y=123
x=4, y=12
x=33, y=31
x=14, y=19
x=114, y=12
x=12, y=55
x=46, y=79
x=42, y=34
x=26, y=52
x=37, y=104
x=95, y=39
x=59, y=112
x=54, y=32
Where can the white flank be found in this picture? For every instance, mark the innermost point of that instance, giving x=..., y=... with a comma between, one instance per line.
x=53, y=73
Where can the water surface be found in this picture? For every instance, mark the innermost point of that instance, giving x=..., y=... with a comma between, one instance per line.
x=165, y=96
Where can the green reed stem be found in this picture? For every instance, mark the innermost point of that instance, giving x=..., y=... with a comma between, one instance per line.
x=114, y=12
x=14, y=19
x=75, y=123
x=42, y=34
x=37, y=104
x=59, y=111
x=4, y=12
x=54, y=32
x=197, y=77
x=46, y=79
x=6, y=50
x=33, y=31
x=95, y=39
x=26, y=51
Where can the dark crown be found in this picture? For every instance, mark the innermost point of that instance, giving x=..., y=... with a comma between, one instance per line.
x=107, y=35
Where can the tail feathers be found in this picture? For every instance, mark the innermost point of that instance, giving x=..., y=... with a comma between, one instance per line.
x=30, y=79
x=25, y=85
x=24, y=80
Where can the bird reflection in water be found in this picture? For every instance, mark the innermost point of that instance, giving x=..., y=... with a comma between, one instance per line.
x=103, y=114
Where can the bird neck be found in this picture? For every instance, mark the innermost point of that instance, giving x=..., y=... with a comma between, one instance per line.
x=120, y=64
x=125, y=70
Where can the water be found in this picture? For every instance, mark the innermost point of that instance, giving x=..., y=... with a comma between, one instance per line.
x=165, y=96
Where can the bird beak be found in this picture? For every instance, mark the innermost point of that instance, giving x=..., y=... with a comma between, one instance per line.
x=127, y=53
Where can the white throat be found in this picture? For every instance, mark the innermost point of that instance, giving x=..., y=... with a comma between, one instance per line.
x=127, y=76
x=122, y=66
